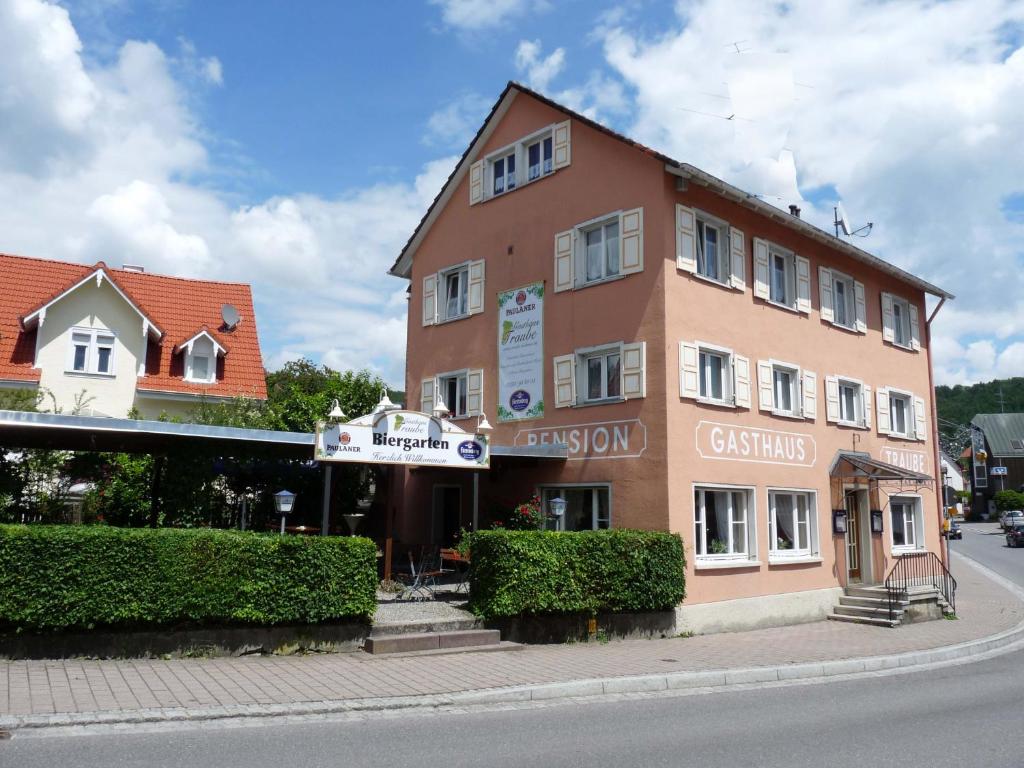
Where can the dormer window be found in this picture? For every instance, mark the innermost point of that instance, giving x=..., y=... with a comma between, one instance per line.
x=200, y=354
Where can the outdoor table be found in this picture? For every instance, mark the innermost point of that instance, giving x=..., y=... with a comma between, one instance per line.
x=460, y=567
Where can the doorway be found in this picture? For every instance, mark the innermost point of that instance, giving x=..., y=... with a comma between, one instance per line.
x=858, y=538
x=446, y=518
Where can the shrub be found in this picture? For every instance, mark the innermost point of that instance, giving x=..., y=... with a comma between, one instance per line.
x=545, y=572
x=1007, y=500
x=63, y=577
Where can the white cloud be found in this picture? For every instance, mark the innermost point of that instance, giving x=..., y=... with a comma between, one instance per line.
x=476, y=15
x=455, y=124
x=539, y=70
x=909, y=110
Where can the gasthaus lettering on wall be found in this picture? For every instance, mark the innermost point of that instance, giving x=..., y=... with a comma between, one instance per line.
x=401, y=437
x=521, y=353
x=760, y=446
x=624, y=439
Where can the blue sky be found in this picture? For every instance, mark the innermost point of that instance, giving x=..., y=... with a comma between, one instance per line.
x=295, y=146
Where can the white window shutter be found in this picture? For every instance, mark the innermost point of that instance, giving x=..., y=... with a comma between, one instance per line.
x=565, y=381
x=476, y=287
x=825, y=295
x=634, y=376
x=860, y=306
x=915, y=328
x=689, y=373
x=832, y=411
x=803, y=284
x=427, y=401
x=476, y=182
x=761, y=268
x=564, y=261
x=888, y=329
x=474, y=392
x=562, y=145
x=738, y=259
x=920, y=420
x=867, y=405
x=882, y=404
x=810, y=395
x=765, y=387
x=741, y=381
x=686, y=239
x=430, y=299
x=631, y=237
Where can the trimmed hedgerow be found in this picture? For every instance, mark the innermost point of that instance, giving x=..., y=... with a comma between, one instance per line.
x=516, y=573
x=75, y=577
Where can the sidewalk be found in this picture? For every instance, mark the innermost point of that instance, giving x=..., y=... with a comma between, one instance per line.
x=35, y=693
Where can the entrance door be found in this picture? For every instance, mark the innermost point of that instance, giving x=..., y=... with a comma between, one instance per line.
x=447, y=517
x=853, y=550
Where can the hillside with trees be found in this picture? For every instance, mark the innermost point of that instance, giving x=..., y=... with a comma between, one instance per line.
x=958, y=405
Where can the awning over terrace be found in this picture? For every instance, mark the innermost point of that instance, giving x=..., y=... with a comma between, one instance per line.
x=851, y=465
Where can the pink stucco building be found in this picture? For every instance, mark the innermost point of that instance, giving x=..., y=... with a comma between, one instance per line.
x=702, y=363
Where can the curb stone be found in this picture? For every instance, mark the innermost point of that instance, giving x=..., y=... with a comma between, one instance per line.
x=711, y=679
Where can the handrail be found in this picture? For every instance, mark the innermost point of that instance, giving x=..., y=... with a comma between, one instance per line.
x=919, y=569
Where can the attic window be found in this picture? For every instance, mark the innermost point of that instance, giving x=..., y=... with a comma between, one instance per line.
x=1017, y=445
x=201, y=362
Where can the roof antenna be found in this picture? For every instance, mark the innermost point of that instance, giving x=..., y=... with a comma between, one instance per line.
x=842, y=222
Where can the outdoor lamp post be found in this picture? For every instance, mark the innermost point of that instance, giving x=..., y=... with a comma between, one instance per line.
x=283, y=502
x=336, y=415
x=483, y=426
x=385, y=403
x=557, y=507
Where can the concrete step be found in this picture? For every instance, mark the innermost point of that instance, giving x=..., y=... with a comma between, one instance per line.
x=871, y=602
x=864, y=620
x=860, y=610
x=425, y=626
x=869, y=591
x=432, y=641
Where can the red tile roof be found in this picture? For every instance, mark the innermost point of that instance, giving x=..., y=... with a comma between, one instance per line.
x=178, y=306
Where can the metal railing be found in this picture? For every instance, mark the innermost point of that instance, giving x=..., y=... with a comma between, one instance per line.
x=919, y=569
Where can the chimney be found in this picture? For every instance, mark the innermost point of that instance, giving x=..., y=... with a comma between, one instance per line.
x=794, y=210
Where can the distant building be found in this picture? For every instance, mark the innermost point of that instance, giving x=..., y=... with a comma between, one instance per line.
x=951, y=475
x=104, y=342
x=1001, y=437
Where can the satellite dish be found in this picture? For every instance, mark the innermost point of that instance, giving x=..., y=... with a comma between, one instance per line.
x=844, y=222
x=230, y=316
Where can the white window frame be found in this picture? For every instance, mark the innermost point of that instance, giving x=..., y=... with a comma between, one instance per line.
x=789, y=260
x=462, y=384
x=441, y=292
x=849, y=303
x=917, y=512
x=726, y=559
x=211, y=362
x=859, y=402
x=583, y=356
x=728, y=375
x=502, y=156
x=557, y=488
x=582, y=230
x=724, y=257
x=92, y=354
x=543, y=140
x=909, y=421
x=812, y=551
x=901, y=323
x=796, y=390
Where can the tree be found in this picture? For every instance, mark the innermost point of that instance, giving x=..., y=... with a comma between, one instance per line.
x=301, y=394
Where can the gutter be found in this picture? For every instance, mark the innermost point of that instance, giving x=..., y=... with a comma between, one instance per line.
x=940, y=495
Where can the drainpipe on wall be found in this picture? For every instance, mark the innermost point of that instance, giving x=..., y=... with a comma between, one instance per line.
x=943, y=541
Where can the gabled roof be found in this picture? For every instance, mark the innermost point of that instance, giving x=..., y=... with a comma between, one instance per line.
x=403, y=264
x=1001, y=429
x=204, y=331
x=178, y=307
x=98, y=272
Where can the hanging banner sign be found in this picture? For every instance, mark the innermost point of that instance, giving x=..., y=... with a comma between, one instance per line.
x=402, y=437
x=521, y=353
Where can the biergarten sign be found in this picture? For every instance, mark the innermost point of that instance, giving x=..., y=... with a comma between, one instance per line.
x=402, y=437
x=521, y=353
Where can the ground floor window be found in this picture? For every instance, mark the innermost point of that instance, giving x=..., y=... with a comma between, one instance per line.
x=792, y=521
x=907, y=523
x=723, y=525
x=587, y=508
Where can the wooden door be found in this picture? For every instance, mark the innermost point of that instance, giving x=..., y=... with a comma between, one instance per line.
x=853, y=553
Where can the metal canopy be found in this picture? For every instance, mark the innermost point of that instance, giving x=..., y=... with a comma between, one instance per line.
x=554, y=451
x=21, y=429
x=850, y=465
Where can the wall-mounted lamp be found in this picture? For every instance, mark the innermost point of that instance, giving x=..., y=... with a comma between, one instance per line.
x=483, y=426
x=876, y=521
x=838, y=521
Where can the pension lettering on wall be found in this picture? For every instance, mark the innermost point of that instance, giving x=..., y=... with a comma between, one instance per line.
x=761, y=446
x=521, y=353
x=622, y=439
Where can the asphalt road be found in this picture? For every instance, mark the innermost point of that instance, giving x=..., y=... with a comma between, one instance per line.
x=967, y=715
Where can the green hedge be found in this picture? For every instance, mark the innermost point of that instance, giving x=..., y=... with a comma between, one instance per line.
x=63, y=577
x=518, y=573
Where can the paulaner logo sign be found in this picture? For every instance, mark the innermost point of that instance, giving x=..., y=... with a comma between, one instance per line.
x=731, y=442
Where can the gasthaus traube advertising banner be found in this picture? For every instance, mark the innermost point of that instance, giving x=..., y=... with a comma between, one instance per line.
x=402, y=437
x=521, y=353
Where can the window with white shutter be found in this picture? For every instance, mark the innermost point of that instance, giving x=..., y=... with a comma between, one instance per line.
x=602, y=249
x=741, y=381
x=427, y=401
x=634, y=376
x=460, y=391
x=475, y=303
x=562, y=144
x=608, y=373
x=708, y=373
x=531, y=158
x=838, y=298
x=476, y=182
x=686, y=239
x=901, y=325
x=738, y=262
x=920, y=420
x=430, y=299
x=564, y=368
x=847, y=402
x=882, y=410
x=781, y=277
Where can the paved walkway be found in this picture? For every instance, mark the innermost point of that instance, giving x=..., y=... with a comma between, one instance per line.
x=78, y=686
